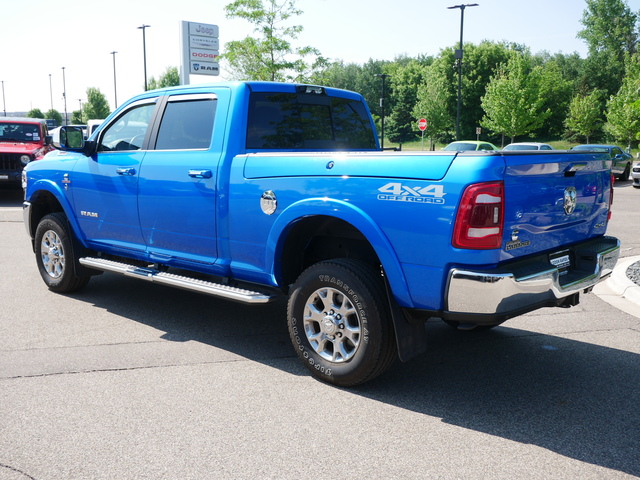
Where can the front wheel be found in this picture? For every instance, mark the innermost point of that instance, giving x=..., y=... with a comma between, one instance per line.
x=339, y=322
x=55, y=255
x=626, y=173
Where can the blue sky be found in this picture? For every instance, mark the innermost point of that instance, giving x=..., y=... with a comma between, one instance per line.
x=40, y=37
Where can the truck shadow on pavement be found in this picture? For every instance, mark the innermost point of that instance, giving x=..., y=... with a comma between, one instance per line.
x=573, y=398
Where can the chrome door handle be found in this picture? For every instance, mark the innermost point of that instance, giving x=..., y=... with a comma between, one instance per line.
x=125, y=171
x=200, y=173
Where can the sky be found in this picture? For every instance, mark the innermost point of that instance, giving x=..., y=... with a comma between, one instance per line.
x=40, y=37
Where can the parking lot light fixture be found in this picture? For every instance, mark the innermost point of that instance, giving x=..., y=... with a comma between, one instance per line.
x=144, y=53
x=115, y=90
x=459, y=62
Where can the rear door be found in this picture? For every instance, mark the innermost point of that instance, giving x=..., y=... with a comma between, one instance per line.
x=178, y=181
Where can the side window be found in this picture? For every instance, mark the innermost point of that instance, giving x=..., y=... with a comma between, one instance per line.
x=187, y=123
x=127, y=132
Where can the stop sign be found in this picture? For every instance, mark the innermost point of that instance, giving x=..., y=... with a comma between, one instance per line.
x=422, y=124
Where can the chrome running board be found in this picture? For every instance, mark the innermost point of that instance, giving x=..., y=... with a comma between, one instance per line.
x=179, y=281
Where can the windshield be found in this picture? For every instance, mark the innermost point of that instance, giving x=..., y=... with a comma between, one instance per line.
x=19, y=132
x=460, y=147
x=521, y=147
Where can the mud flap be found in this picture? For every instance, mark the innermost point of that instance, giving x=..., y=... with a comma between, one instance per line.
x=411, y=336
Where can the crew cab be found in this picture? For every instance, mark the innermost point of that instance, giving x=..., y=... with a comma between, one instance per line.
x=254, y=191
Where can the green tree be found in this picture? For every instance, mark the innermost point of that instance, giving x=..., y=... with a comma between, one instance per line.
x=433, y=103
x=585, y=115
x=270, y=55
x=169, y=78
x=512, y=104
x=623, y=109
x=555, y=92
x=76, y=117
x=96, y=106
x=405, y=81
x=54, y=115
x=611, y=35
x=35, y=113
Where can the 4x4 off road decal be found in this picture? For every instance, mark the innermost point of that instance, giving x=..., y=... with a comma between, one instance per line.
x=398, y=192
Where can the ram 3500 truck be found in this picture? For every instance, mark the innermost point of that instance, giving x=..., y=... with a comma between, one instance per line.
x=274, y=190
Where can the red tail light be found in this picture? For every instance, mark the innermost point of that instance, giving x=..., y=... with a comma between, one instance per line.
x=613, y=179
x=480, y=220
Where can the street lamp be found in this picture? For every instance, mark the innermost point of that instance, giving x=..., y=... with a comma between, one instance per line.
x=383, y=76
x=144, y=53
x=459, y=60
x=64, y=96
x=4, y=105
x=115, y=93
x=51, y=92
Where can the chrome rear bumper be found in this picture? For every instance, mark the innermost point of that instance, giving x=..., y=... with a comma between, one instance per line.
x=489, y=296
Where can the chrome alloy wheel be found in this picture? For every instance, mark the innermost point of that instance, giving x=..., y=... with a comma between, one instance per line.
x=332, y=325
x=52, y=254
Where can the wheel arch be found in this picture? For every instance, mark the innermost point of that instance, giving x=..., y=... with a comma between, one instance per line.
x=324, y=229
x=44, y=200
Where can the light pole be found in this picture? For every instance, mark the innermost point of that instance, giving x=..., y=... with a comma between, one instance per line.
x=459, y=60
x=144, y=53
x=383, y=76
x=4, y=105
x=115, y=92
x=51, y=92
x=64, y=96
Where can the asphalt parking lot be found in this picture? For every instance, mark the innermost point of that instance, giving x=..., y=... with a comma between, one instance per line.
x=130, y=380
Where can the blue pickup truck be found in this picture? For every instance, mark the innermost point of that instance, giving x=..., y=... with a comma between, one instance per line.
x=254, y=191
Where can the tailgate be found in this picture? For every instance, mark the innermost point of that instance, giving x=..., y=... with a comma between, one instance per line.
x=554, y=199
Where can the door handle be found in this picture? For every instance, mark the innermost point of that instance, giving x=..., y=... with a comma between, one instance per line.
x=125, y=171
x=200, y=173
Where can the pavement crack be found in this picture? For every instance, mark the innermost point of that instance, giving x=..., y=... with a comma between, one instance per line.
x=13, y=469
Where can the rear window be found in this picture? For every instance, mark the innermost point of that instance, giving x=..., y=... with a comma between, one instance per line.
x=290, y=121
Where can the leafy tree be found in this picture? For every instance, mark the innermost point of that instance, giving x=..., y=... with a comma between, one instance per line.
x=35, y=113
x=169, y=78
x=610, y=33
x=585, y=114
x=404, y=84
x=433, y=103
x=96, y=106
x=54, y=115
x=555, y=92
x=270, y=55
x=512, y=104
x=76, y=117
x=623, y=109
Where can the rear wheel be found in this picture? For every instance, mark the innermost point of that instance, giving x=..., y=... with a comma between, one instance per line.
x=339, y=322
x=55, y=255
x=626, y=173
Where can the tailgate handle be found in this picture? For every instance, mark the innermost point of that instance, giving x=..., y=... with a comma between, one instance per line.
x=571, y=170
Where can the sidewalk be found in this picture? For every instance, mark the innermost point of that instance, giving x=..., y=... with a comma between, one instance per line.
x=620, y=291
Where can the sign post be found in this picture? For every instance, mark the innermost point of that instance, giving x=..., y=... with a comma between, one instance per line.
x=199, y=47
x=422, y=125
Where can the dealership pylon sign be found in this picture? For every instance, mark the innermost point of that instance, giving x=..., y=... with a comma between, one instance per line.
x=199, y=50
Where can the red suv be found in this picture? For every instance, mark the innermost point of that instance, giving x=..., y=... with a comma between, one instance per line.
x=22, y=140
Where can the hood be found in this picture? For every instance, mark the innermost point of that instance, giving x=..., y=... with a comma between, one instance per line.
x=20, y=147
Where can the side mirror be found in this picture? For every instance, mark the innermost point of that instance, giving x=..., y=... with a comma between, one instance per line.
x=72, y=140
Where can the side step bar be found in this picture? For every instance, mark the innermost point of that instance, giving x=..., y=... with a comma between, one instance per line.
x=179, y=281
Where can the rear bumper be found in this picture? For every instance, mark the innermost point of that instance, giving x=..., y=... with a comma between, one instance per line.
x=492, y=296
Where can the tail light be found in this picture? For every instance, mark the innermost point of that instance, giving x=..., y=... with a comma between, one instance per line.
x=480, y=220
x=613, y=179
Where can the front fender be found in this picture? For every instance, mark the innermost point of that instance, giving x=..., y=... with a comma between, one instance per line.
x=35, y=196
x=356, y=217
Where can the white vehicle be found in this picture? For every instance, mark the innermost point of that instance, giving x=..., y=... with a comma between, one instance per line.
x=528, y=146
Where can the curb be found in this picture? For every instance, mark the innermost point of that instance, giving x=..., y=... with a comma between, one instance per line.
x=620, y=284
